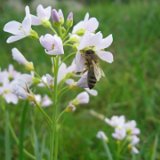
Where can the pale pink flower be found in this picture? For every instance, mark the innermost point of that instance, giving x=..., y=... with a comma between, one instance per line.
x=131, y=128
x=119, y=134
x=20, y=86
x=53, y=44
x=43, y=15
x=17, y=29
x=44, y=101
x=97, y=44
x=88, y=24
x=116, y=121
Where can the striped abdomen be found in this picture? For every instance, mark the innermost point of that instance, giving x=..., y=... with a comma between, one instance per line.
x=91, y=78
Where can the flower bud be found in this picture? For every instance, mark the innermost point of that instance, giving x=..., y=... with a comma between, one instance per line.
x=69, y=21
x=57, y=17
x=101, y=135
x=17, y=56
x=70, y=108
x=74, y=38
x=46, y=23
x=34, y=34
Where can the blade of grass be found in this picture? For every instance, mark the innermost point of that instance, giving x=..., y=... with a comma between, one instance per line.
x=154, y=149
x=43, y=146
x=36, y=144
x=22, y=131
x=8, y=153
x=108, y=152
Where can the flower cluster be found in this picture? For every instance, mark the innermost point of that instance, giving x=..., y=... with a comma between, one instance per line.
x=15, y=85
x=87, y=45
x=124, y=131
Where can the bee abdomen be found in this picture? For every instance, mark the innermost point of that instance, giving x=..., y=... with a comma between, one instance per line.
x=91, y=79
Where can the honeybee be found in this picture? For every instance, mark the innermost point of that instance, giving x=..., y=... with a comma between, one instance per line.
x=92, y=67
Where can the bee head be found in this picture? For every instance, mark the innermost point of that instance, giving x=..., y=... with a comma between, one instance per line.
x=89, y=52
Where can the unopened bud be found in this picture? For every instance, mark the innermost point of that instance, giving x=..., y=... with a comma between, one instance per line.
x=34, y=34
x=69, y=21
x=29, y=66
x=70, y=108
x=57, y=17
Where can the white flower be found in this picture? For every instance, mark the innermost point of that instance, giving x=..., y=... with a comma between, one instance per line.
x=134, y=140
x=53, y=44
x=131, y=128
x=43, y=101
x=43, y=15
x=116, y=121
x=20, y=86
x=12, y=73
x=19, y=30
x=97, y=44
x=46, y=101
x=88, y=24
x=6, y=92
x=64, y=71
x=17, y=56
x=6, y=79
x=47, y=80
x=120, y=133
x=101, y=135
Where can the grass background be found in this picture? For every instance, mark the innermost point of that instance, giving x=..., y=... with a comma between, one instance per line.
x=131, y=86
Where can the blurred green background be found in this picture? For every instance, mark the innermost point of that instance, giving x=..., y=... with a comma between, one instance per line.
x=131, y=86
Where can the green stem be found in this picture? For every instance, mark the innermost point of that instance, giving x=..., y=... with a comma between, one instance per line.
x=53, y=30
x=22, y=129
x=106, y=147
x=49, y=120
x=54, y=131
x=118, y=150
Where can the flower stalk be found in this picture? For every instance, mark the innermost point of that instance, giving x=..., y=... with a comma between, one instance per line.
x=54, y=130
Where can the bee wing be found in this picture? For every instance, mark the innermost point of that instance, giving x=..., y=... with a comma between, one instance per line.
x=97, y=71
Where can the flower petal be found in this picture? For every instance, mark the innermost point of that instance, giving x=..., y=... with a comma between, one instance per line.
x=106, y=42
x=15, y=38
x=80, y=62
x=92, y=24
x=35, y=20
x=26, y=24
x=92, y=92
x=105, y=56
x=12, y=27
